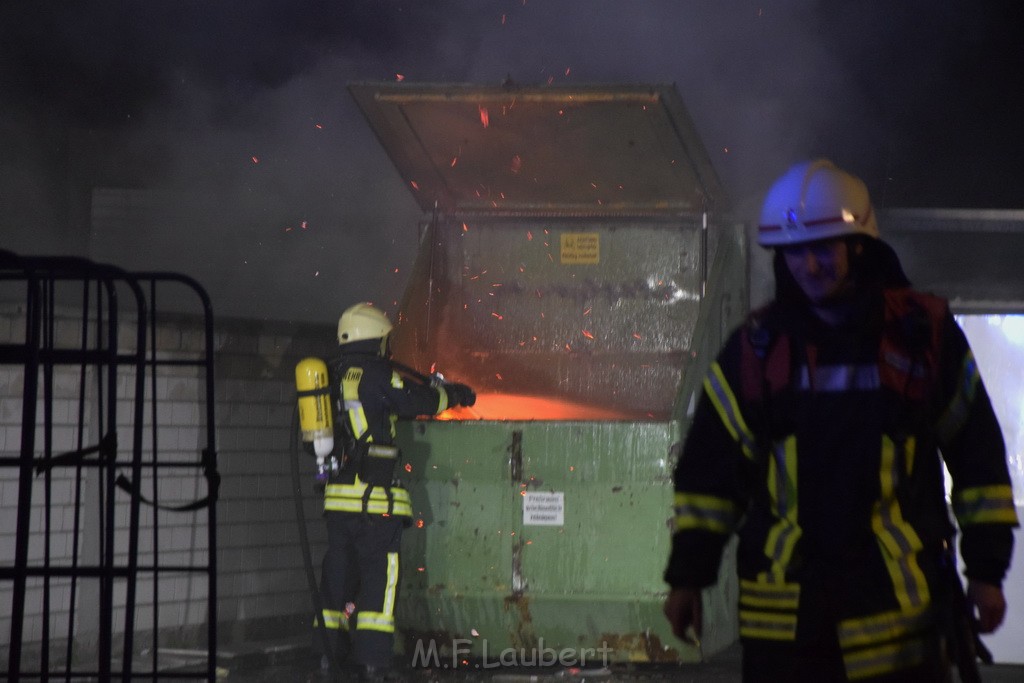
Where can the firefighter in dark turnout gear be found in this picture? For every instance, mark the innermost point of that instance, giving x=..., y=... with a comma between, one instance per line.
x=819, y=440
x=365, y=507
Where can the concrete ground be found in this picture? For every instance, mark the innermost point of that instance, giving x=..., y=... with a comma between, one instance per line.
x=295, y=664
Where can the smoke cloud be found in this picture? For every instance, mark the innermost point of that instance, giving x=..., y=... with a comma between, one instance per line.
x=218, y=140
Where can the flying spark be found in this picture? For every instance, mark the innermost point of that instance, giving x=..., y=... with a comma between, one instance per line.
x=485, y=118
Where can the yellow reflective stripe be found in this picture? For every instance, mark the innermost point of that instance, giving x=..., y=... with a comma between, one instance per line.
x=782, y=485
x=442, y=400
x=349, y=498
x=374, y=508
x=956, y=412
x=884, y=659
x=358, y=490
x=899, y=542
x=985, y=505
x=779, y=596
x=391, y=585
x=334, y=620
x=375, y=621
x=767, y=625
x=353, y=406
x=699, y=511
x=722, y=397
x=883, y=627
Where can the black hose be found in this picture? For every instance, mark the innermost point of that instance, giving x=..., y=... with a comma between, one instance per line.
x=307, y=559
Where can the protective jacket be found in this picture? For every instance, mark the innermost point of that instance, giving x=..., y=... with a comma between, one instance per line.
x=372, y=395
x=366, y=506
x=820, y=447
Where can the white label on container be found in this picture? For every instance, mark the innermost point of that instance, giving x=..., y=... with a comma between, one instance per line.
x=543, y=509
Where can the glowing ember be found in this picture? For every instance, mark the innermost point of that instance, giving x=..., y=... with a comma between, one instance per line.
x=255, y=160
x=485, y=118
x=587, y=334
x=408, y=467
x=419, y=523
x=517, y=163
x=415, y=185
x=399, y=77
x=454, y=161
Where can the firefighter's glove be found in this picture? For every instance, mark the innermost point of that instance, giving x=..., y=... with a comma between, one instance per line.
x=460, y=394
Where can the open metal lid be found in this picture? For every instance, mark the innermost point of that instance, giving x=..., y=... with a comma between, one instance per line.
x=628, y=149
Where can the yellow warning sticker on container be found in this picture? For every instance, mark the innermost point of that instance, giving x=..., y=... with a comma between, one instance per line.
x=581, y=247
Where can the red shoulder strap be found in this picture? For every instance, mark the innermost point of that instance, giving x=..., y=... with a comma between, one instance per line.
x=766, y=361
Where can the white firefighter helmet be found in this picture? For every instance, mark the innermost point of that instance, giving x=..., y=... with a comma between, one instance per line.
x=815, y=200
x=363, y=321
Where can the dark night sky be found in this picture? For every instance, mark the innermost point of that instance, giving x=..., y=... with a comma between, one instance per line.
x=923, y=99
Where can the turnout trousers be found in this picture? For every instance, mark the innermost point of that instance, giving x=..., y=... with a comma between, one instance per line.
x=359, y=585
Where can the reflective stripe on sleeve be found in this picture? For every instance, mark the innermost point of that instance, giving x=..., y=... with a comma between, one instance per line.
x=701, y=511
x=724, y=400
x=985, y=505
x=955, y=415
x=336, y=620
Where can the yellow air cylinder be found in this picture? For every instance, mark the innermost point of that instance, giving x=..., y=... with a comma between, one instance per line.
x=314, y=393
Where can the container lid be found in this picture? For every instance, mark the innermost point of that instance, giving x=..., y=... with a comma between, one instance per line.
x=504, y=149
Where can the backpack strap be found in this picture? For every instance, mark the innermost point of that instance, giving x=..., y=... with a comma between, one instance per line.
x=764, y=359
